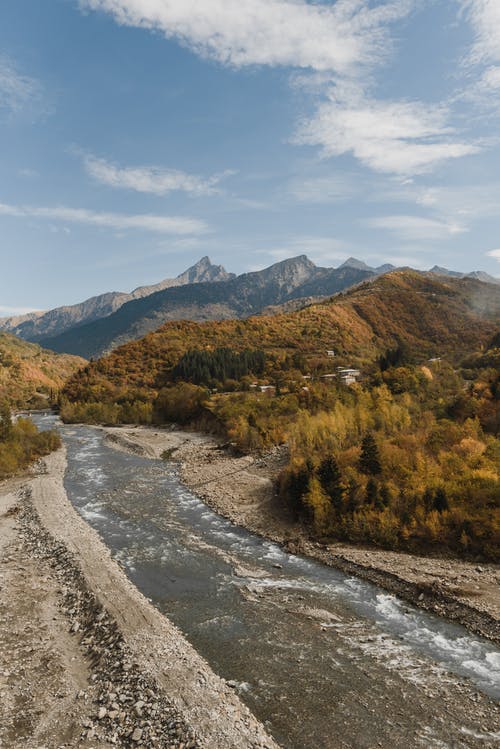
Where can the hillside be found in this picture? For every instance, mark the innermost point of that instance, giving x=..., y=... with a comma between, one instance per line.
x=239, y=297
x=35, y=326
x=402, y=454
x=433, y=317
x=28, y=373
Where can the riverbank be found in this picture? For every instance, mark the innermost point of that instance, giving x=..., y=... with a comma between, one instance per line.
x=86, y=660
x=241, y=489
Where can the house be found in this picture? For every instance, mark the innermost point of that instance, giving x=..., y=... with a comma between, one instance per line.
x=349, y=376
x=271, y=389
x=330, y=353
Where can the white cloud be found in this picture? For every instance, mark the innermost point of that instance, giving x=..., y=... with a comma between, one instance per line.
x=490, y=80
x=484, y=16
x=16, y=91
x=150, y=179
x=393, y=137
x=417, y=227
x=495, y=254
x=120, y=221
x=292, y=33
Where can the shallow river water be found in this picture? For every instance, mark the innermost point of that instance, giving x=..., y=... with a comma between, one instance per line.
x=323, y=659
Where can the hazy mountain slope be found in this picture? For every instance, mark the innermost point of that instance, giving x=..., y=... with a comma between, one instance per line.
x=28, y=373
x=448, y=317
x=40, y=325
x=237, y=298
x=479, y=275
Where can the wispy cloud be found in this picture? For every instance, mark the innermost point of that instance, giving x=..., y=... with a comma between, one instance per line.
x=17, y=91
x=484, y=16
x=151, y=179
x=332, y=50
x=417, y=227
x=401, y=137
x=292, y=33
x=495, y=254
x=120, y=221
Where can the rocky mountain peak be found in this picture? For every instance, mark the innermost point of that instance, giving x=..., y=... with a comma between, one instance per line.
x=288, y=274
x=204, y=272
x=353, y=262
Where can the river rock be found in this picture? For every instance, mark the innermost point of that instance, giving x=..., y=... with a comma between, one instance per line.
x=137, y=735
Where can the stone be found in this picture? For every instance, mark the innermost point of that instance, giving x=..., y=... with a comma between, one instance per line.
x=137, y=734
x=102, y=713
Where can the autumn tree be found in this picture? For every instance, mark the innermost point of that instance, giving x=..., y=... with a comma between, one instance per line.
x=5, y=422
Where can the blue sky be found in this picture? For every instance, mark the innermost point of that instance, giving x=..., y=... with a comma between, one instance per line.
x=140, y=135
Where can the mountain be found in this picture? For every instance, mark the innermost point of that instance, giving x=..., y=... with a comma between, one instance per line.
x=28, y=373
x=353, y=262
x=480, y=275
x=37, y=326
x=434, y=317
x=239, y=297
x=202, y=272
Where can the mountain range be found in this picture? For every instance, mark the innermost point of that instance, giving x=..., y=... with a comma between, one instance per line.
x=433, y=316
x=203, y=292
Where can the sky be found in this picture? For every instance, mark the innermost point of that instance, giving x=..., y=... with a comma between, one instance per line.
x=137, y=136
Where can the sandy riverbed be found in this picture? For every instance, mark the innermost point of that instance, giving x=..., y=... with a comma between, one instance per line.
x=85, y=659
x=241, y=489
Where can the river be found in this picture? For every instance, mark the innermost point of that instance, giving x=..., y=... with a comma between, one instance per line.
x=322, y=659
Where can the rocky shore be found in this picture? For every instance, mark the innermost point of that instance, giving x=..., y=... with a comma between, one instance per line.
x=86, y=660
x=241, y=489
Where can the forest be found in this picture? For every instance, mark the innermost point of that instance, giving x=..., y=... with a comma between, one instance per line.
x=408, y=457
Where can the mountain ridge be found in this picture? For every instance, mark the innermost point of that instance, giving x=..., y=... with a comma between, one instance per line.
x=433, y=317
x=35, y=326
x=239, y=297
x=203, y=292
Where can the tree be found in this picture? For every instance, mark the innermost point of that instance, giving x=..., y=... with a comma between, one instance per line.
x=369, y=461
x=428, y=500
x=331, y=480
x=440, y=500
x=6, y=428
x=371, y=493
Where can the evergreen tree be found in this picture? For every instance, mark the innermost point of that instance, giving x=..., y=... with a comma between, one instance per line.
x=428, y=500
x=331, y=480
x=440, y=500
x=369, y=462
x=371, y=493
x=384, y=496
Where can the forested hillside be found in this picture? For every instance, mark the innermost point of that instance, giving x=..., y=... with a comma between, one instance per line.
x=29, y=374
x=388, y=397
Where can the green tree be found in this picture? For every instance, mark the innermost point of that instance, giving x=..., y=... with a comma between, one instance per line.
x=369, y=461
x=331, y=480
x=440, y=500
x=371, y=492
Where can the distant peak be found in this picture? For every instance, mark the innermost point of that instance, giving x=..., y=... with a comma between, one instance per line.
x=353, y=262
x=202, y=264
x=299, y=260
